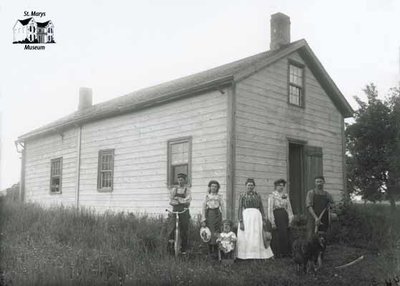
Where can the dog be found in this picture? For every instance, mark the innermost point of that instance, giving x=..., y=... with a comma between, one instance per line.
x=308, y=253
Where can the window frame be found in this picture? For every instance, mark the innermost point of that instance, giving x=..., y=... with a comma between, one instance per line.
x=60, y=175
x=99, y=160
x=187, y=139
x=291, y=84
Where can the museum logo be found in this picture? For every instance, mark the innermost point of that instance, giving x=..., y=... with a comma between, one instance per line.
x=32, y=33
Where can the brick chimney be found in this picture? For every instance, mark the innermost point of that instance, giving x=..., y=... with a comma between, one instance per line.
x=280, y=31
x=85, y=98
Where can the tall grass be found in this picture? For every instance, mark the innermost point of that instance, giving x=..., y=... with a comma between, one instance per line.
x=371, y=226
x=66, y=246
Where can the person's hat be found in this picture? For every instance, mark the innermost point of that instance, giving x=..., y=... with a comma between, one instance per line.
x=181, y=175
x=205, y=234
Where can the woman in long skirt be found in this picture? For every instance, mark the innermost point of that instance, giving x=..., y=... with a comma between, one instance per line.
x=280, y=215
x=250, y=243
x=213, y=209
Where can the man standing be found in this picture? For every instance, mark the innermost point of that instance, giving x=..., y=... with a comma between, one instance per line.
x=318, y=202
x=180, y=199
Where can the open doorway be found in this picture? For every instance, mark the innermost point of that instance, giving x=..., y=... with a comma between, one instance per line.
x=296, y=175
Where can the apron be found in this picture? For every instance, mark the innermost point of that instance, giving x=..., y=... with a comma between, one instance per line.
x=320, y=202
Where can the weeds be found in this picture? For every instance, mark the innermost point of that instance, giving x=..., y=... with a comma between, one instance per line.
x=66, y=246
x=374, y=227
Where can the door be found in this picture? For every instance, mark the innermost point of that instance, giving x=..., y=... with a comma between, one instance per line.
x=313, y=165
x=296, y=173
x=305, y=163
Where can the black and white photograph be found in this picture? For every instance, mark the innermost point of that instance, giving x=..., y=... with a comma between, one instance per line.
x=188, y=142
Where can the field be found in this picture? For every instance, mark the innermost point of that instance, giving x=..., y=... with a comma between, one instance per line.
x=63, y=246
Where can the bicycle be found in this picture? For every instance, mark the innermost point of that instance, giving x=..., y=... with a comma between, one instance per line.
x=177, y=240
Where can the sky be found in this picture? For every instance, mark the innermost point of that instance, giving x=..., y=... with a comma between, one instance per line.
x=116, y=47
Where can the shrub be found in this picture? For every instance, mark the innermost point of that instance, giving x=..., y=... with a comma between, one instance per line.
x=368, y=226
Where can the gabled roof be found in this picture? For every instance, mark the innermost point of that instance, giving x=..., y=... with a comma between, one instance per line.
x=215, y=78
x=43, y=25
x=25, y=21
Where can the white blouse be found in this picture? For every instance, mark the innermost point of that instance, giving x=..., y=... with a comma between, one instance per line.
x=212, y=201
x=278, y=200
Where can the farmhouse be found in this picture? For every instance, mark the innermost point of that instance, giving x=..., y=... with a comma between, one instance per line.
x=28, y=30
x=276, y=114
x=25, y=29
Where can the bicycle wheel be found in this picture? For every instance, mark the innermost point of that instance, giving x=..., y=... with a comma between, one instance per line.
x=177, y=242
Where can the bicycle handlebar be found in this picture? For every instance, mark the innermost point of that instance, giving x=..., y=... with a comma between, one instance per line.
x=172, y=212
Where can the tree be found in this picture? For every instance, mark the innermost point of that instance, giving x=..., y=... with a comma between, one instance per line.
x=373, y=147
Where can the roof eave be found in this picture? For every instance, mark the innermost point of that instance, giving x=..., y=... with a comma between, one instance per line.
x=326, y=81
x=282, y=52
x=175, y=95
x=322, y=76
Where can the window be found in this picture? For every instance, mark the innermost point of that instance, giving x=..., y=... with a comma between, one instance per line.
x=179, y=159
x=55, y=175
x=105, y=173
x=296, y=84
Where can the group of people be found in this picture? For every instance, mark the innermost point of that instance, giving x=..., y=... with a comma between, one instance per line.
x=260, y=234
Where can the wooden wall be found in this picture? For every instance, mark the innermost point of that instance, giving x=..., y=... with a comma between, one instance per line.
x=140, y=163
x=39, y=152
x=265, y=121
x=140, y=143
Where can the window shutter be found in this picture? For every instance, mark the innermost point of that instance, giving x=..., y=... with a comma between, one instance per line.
x=313, y=165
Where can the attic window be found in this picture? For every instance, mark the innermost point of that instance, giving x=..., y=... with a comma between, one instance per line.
x=55, y=176
x=296, y=84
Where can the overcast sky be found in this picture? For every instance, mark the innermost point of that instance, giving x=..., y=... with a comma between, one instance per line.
x=116, y=47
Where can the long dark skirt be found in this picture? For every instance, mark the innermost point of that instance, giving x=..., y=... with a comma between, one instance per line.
x=213, y=222
x=281, y=236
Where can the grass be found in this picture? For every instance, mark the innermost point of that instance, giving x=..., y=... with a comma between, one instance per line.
x=369, y=226
x=64, y=246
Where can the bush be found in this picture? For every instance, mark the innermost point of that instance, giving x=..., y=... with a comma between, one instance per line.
x=298, y=227
x=12, y=193
x=368, y=226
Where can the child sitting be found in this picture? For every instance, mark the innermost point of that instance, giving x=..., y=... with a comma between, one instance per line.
x=226, y=241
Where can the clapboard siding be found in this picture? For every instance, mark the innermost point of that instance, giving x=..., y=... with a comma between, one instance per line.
x=140, y=143
x=39, y=153
x=245, y=129
x=140, y=163
x=265, y=121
